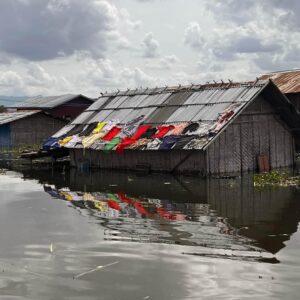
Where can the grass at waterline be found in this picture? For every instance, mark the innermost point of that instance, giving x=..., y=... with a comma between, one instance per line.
x=275, y=179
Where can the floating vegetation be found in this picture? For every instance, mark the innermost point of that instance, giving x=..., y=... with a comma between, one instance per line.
x=275, y=179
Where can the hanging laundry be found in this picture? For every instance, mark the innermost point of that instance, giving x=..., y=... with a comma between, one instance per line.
x=98, y=145
x=149, y=133
x=190, y=128
x=140, y=144
x=154, y=145
x=89, y=140
x=51, y=143
x=196, y=144
x=99, y=127
x=77, y=129
x=127, y=141
x=89, y=129
x=112, y=144
x=182, y=141
x=130, y=127
x=72, y=143
x=162, y=131
x=204, y=128
x=168, y=142
x=178, y=128
x=111, y=133
x=65, y=140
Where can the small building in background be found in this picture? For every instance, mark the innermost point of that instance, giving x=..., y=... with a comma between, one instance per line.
x=230, y=128
x=289, y=84
x=65, y=106
x=27, y=128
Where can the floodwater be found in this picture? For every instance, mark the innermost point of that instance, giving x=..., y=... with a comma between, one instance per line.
x=109, y=235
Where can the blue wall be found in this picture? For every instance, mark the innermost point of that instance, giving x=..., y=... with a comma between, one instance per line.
x=5, y=141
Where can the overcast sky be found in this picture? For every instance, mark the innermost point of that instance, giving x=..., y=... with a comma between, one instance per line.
x=52, y=47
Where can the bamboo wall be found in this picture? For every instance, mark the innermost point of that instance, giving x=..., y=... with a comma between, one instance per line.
x=258, y=130
x=160, y=161
x=34, y=129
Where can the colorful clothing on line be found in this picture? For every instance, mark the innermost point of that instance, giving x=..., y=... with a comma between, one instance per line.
x=128, y=141
x=154, y=145
x=111, y=133
x=130, y=127
x=112, y=144
x=99, y=127
x=89, y=140
x=162, y=131
x=140, y=144
x=168, y=142
x=178, y=128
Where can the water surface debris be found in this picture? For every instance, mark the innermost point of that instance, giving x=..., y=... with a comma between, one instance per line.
x=94, y=270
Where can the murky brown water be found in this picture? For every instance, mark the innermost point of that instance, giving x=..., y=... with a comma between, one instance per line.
x=108, y=235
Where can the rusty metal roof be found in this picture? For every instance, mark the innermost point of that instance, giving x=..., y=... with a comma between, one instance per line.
x=287, y=81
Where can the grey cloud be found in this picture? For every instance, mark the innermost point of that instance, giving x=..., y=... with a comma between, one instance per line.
x=45, y=29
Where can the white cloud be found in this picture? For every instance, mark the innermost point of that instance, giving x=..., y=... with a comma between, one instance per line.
x=150, y=46
x=193, y=36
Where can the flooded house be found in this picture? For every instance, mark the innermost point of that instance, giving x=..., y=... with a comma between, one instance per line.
x=23, y=128
x=67, y=106
x=203, y=129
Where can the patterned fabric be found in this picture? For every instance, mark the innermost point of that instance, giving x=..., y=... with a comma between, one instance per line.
x=154, y=145
x=130, y=128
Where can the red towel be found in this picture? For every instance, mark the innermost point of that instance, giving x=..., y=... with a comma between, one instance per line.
x=162, y=131
x=127, y=141
x=112, y=133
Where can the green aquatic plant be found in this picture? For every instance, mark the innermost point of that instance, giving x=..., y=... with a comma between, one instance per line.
x=275, y=179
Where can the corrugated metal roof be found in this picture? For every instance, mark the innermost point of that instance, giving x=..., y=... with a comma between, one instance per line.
x=48, y=102
x=8, y=117
x=287, y=81
x=213, y=107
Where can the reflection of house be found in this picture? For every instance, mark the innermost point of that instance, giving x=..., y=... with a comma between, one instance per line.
x=267, y=217
x=27, y=128
x=209, y=129
x=64, y=106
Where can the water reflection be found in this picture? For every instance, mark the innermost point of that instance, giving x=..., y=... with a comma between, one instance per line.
x=217, y=214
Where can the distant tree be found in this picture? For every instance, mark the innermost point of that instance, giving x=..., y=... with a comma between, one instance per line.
x=2, y=109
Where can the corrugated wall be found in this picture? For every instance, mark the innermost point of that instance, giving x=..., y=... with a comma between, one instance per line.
x=34, y=129
x=256, y=131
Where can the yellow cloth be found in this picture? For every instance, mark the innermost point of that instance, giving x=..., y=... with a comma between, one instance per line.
x=65, y=140
x=99, y=127
x=89, y=140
